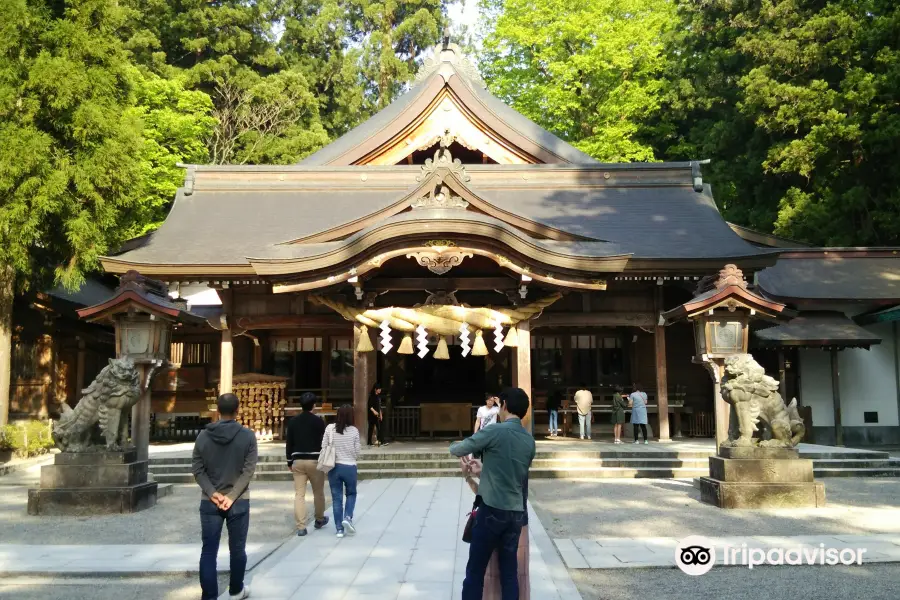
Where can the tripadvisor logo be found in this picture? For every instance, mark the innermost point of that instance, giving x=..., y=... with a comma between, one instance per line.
x=696, y=555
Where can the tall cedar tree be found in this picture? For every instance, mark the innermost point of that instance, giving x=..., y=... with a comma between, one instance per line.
x=591, y=72
x=795, y=102
x=70, y=148
x=358, y=54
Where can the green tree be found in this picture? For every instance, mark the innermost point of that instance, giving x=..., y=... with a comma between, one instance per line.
x=176, y=123
x=795, y=103
x=591, y=72
x=358, y=55
x=70, y=147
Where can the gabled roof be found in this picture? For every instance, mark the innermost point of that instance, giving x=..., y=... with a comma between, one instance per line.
x=226, y=216
x=839, y=274
x=818, y=329
x=447, y=75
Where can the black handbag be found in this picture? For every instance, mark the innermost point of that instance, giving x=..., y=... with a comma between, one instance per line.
x=470, y=524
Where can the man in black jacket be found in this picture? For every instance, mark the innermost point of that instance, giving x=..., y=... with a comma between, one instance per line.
x=303, y=444
x=223, y=464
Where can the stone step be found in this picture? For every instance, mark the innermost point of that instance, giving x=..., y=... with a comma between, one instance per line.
x=856, y=472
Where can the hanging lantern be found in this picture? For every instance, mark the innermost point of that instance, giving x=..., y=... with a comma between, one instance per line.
x=498, y=336
x=478, y=348
x=365, y=343
x=422, y=337
x=464, y=339
x=442, y=352
x=512, y=338
x=406, y=346
x=386, y=344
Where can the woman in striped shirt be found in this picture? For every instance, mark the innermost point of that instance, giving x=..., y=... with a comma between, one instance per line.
x=342, y=478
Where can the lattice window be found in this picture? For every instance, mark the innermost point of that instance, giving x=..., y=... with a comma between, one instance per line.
x=190, y=353
x=25, y=360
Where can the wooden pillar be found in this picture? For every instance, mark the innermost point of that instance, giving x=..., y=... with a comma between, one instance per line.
x=364, y=373
x=782, y=375
x=140, y=416
x=522, y=369
x=662, y=379
x=257, y=356
x=226, y=366
x=79, y=370
x=836, y=398
x=722, y=409
x=226, y=356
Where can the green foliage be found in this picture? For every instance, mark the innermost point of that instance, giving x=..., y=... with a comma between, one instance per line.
x=31, y=438
x=795, y=102
x=357, y=54
x=70, y=147
x=176, y=124
x=591, y=72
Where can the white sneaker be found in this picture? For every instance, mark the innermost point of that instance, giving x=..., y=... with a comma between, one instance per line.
x=340, y=534
x=581, y=437
x=348, y=526
x=589, y=437
x=646, y=442
x=244, y=593
x=635, y=441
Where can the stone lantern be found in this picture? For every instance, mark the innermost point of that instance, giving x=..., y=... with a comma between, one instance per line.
x=720, y=313
x=143, y=317
x=85, y=478
x=747, y=471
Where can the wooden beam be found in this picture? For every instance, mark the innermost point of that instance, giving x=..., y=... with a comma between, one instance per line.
x=836, y=398
x=291, y=322
x=595, y=319
x=522, y=370
x=662, y=379
x=379, y=284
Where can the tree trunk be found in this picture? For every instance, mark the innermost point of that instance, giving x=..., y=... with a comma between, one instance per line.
x=7, y=292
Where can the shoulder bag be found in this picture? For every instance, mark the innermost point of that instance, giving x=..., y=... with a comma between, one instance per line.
x=326, y=456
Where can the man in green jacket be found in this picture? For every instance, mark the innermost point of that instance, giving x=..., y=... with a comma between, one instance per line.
x=506, y=451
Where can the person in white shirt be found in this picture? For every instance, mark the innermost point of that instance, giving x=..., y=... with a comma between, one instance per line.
x=584, y=401
x=487, y=414
x=344, y=436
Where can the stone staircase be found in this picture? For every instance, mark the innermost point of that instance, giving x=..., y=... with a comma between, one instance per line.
x=603, y=464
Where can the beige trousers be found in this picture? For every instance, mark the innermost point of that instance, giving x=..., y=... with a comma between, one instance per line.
x=305, y=470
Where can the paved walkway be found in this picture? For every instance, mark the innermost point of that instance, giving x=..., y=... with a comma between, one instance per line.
x=408, y=546
x=620, y=553
x=130, y=559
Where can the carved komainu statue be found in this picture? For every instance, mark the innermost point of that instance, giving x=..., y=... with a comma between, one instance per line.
x=106, y=401
x=754, y=396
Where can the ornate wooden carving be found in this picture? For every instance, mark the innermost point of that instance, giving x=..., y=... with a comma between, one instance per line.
x=440, y=197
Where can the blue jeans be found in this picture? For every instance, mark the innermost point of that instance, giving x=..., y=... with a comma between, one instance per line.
x=237, y=519
x=341, y=478
x=584, y=422
x=498, y=530
x=554, y=421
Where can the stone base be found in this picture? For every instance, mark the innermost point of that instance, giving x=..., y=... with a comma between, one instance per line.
x=753, y=477
x=91, y=483
x=730, y=494
x=761, y=470
x=92, y=501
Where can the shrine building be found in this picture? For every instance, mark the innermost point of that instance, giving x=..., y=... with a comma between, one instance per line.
x=449, y=247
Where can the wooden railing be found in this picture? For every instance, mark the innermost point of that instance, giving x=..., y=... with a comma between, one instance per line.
x=333, y=396
x=701, y=424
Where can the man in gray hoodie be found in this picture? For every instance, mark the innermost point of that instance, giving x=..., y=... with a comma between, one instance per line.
x=223, y=464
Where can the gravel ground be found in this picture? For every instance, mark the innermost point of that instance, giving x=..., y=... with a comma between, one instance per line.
x=161, y=588
x=672, y=508
x=174, y=520
x=869, y=582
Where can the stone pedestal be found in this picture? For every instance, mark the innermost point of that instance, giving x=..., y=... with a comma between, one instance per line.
x=761, y=478
x=92, y=483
